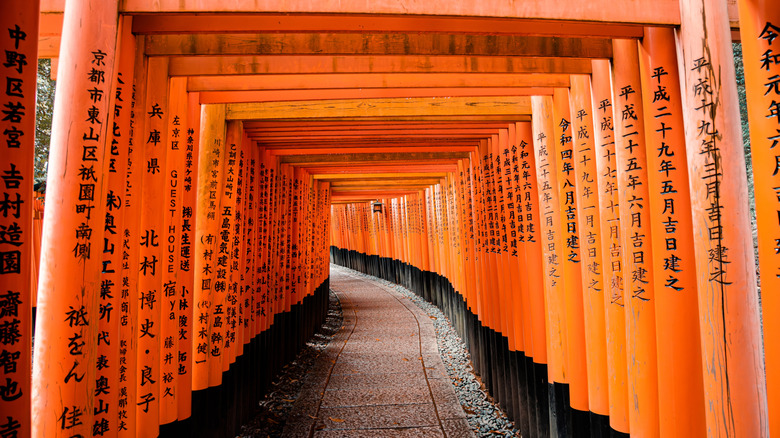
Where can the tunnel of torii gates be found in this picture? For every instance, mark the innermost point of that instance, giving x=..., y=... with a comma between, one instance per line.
x=566, y=180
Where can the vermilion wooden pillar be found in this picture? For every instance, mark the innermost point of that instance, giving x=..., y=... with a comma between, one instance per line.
x=18, y=40
x=210, y=181
x=734, y=380
x=67, y=328
x=110, y=359
x=589, y=222
x=633, y=194
x=155, y=112
x=172, y=236
x=570, y=253
x=680, y=391
x=551, y=239
x=759, y=26
x=186, y=282
x=534, y=272
x=612, y=260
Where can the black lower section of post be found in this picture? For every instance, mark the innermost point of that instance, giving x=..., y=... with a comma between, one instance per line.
x=220, y=411
x=539, y=408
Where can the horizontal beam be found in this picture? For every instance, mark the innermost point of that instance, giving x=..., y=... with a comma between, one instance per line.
x=386, y=182
x=330, y=64
x=378, y=175
x=456, y=106
x=360, y=157
x=376, y=44
x=304, y=150
x=320, y=23
x=374, y=80
x=638, y=11
x=209, y=97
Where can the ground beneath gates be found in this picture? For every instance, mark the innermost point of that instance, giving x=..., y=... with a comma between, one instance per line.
x=381, y=375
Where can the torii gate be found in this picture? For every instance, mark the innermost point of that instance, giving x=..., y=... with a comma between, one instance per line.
x=573, y=172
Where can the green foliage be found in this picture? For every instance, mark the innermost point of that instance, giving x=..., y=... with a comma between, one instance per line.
x=44, y=108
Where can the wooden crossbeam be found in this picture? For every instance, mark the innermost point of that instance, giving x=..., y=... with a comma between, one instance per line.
x=376, y=44
x=373, y=157
x=456, y=106
x=336, y=64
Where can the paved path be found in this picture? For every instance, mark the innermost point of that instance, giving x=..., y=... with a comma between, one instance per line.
x=381, y=375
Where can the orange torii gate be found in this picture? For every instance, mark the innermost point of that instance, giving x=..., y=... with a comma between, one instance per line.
x=550, y=174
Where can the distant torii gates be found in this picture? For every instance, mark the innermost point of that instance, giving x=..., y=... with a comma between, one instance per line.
x=566, y=179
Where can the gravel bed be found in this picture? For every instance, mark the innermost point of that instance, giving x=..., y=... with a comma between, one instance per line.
x=275, y=407
x=484, y=416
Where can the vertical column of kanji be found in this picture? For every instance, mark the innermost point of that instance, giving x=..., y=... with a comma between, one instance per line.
x=106, y=421
x=18, y=37
x=223, y=327
x=631, y=162
x=211, y=174
x=551, y=237
x=759, y=26
x=296, y=238
x=516, y=240
x=149, y=270
x=251, y=249
x=534, y=271
x=505, y=295
x=589, y=221
x=611, y=243
x=71, y=257
x=245, y=250
x=572, y=272
x=734, y=379
x=186, y=282
x=488, y=237
x=128, y=311
x=680, y=383
x=466, y=232
x=175, y=162
x=265, y=206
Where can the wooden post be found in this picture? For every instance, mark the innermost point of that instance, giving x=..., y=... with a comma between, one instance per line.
x=67, y=329
x=186, y=282
x=680, y=390
x=734, y=379
x=172, y=233
x=18, y=39
x=631, y=164
x=571, y=259
x=611, y=241
x=210, y=177
x=552, y=243
x=759, y=27
x=110, y=358
x=154, y=110
x=589, y=222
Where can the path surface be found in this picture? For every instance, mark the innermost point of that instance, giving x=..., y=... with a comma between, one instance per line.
x=381, y=375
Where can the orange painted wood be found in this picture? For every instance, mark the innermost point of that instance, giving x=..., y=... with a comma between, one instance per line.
x=534, y=271
x=633, y=195
x=571, y=261
x=108, y=385
x=252, y=96
x=19, y=25
x=210, y=184
x=186, y=283
x=680, y=382
x=591, y=252
x=155, y=111
x=65, y=353
x=614, y=299
x=758, y=26
x=551, y=238
x=734, y=377
x=335, y=64
x=172, y=275
x=365, y=43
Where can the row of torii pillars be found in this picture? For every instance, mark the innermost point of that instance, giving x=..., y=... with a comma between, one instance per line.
x=94, y=124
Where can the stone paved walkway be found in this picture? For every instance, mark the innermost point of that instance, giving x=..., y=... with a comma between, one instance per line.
x=381, y=375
